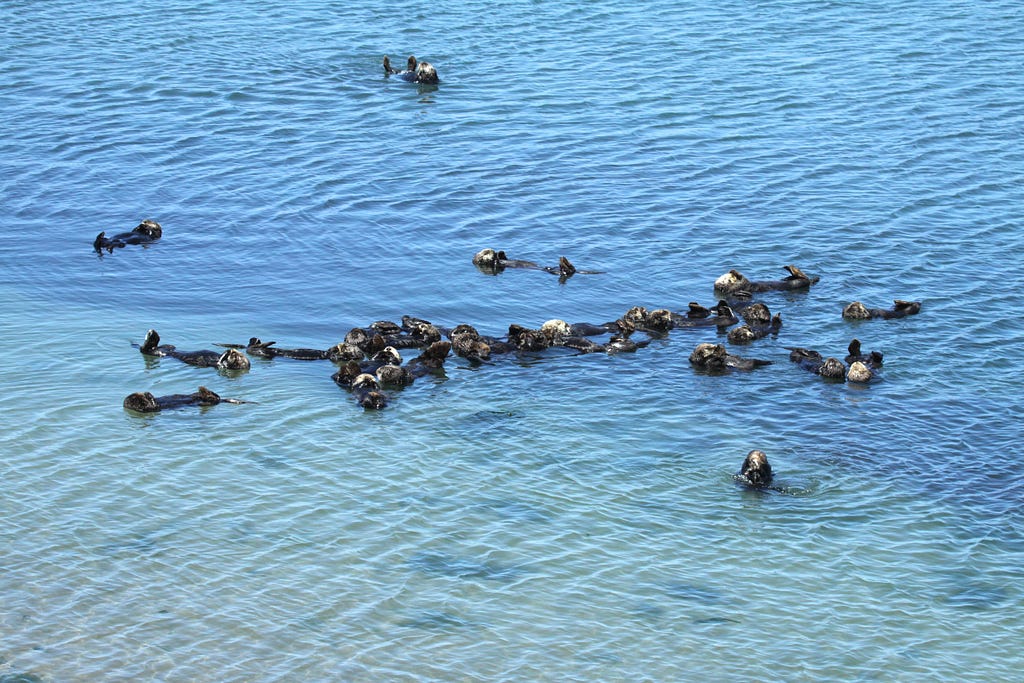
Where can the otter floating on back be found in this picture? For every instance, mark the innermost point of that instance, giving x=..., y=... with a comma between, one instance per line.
x=232, y=359
x=493, y=261
x=900, y=309
x=144, y=233
x=415, y=72
x=735, y=282
x=145, y=402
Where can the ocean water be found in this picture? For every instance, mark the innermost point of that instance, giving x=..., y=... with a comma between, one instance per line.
x=543, y=517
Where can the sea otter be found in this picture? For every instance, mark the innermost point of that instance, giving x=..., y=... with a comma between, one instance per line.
x=715, y=358
x=492, y=262
x=699, y=316
x=900, y=309
x=232, y=359
x=734, y=282
x=145, y=232
x=145, y=402
x=366, y=391
x=262, y=349
x=756, y=471
x=830, y=368
x=525, y=339
x=415, y=72
x=748, y=332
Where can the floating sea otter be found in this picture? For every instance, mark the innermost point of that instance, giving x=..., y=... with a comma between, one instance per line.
x=714, y=358
x=232, y=359
x=759, y=322
x=900, y=309
x=262, y=349
x=145, y=232
x=145, y=402
x=493, y=262
x=735, y=283
x=756, y=471
x=415, y=72
x=831, y=368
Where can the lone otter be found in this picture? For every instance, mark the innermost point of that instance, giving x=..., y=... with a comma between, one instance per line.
x=415, y=72
x=900, y=309
x=145, y=402
x=756, y=471
x=232, y=359
x=734, y=282
x=145, y=232
x=492, y=262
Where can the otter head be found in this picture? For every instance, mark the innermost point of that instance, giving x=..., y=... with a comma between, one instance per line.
x=555, y=329
x=489, y=261
x=393, y=374
x=141, y=402
x=636, y=315
x=365, y=380
x=373, y=400
x=150, y=343
x=150, y=228
x=859, y=372
x=757, y=314
x=388, y=355
x=660, y=319
x=756, y=469
x=344, y=352
x=386, y=327
x=832, y=368
x=731, y=281
x=711, y=356
x=426, y=73
x=741, y=335
x=205, y=397
x=233, y=359
x=856, y=311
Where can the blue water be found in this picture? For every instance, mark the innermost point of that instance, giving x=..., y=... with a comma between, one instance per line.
x=542, y=517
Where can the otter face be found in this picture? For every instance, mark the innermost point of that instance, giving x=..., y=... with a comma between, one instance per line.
x=373, y=400
x=856, y=311
x=344, y=352
x=487, y=258
x=389, y=355
x=756, y=469
x=150, y=343
x=233, y=359
x=393, y=374
x=731, y=281
x=708, y=356
x=365, y=381
x=660, y=319
x=141, y=402
x=150, y=228
x=636, y=315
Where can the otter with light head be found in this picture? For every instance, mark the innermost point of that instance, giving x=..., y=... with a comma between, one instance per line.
x=714, y=358
x=232, y=359
x=900, y=309
x=735, y=282
x=145, y=402
x=144, y=233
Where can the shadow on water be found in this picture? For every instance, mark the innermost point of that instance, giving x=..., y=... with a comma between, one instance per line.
x=445, y=564
x=437, y=620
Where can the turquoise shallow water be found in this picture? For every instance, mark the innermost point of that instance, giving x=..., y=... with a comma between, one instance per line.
x=542, y=517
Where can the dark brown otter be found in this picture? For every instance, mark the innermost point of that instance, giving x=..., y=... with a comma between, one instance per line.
x=756, y=471
x=145, y=402
x=872, y=360
x=145, y=232
x=830, y=368
x=900, y=309
x=735, y=282
x=262, y=349
x=415, y=72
